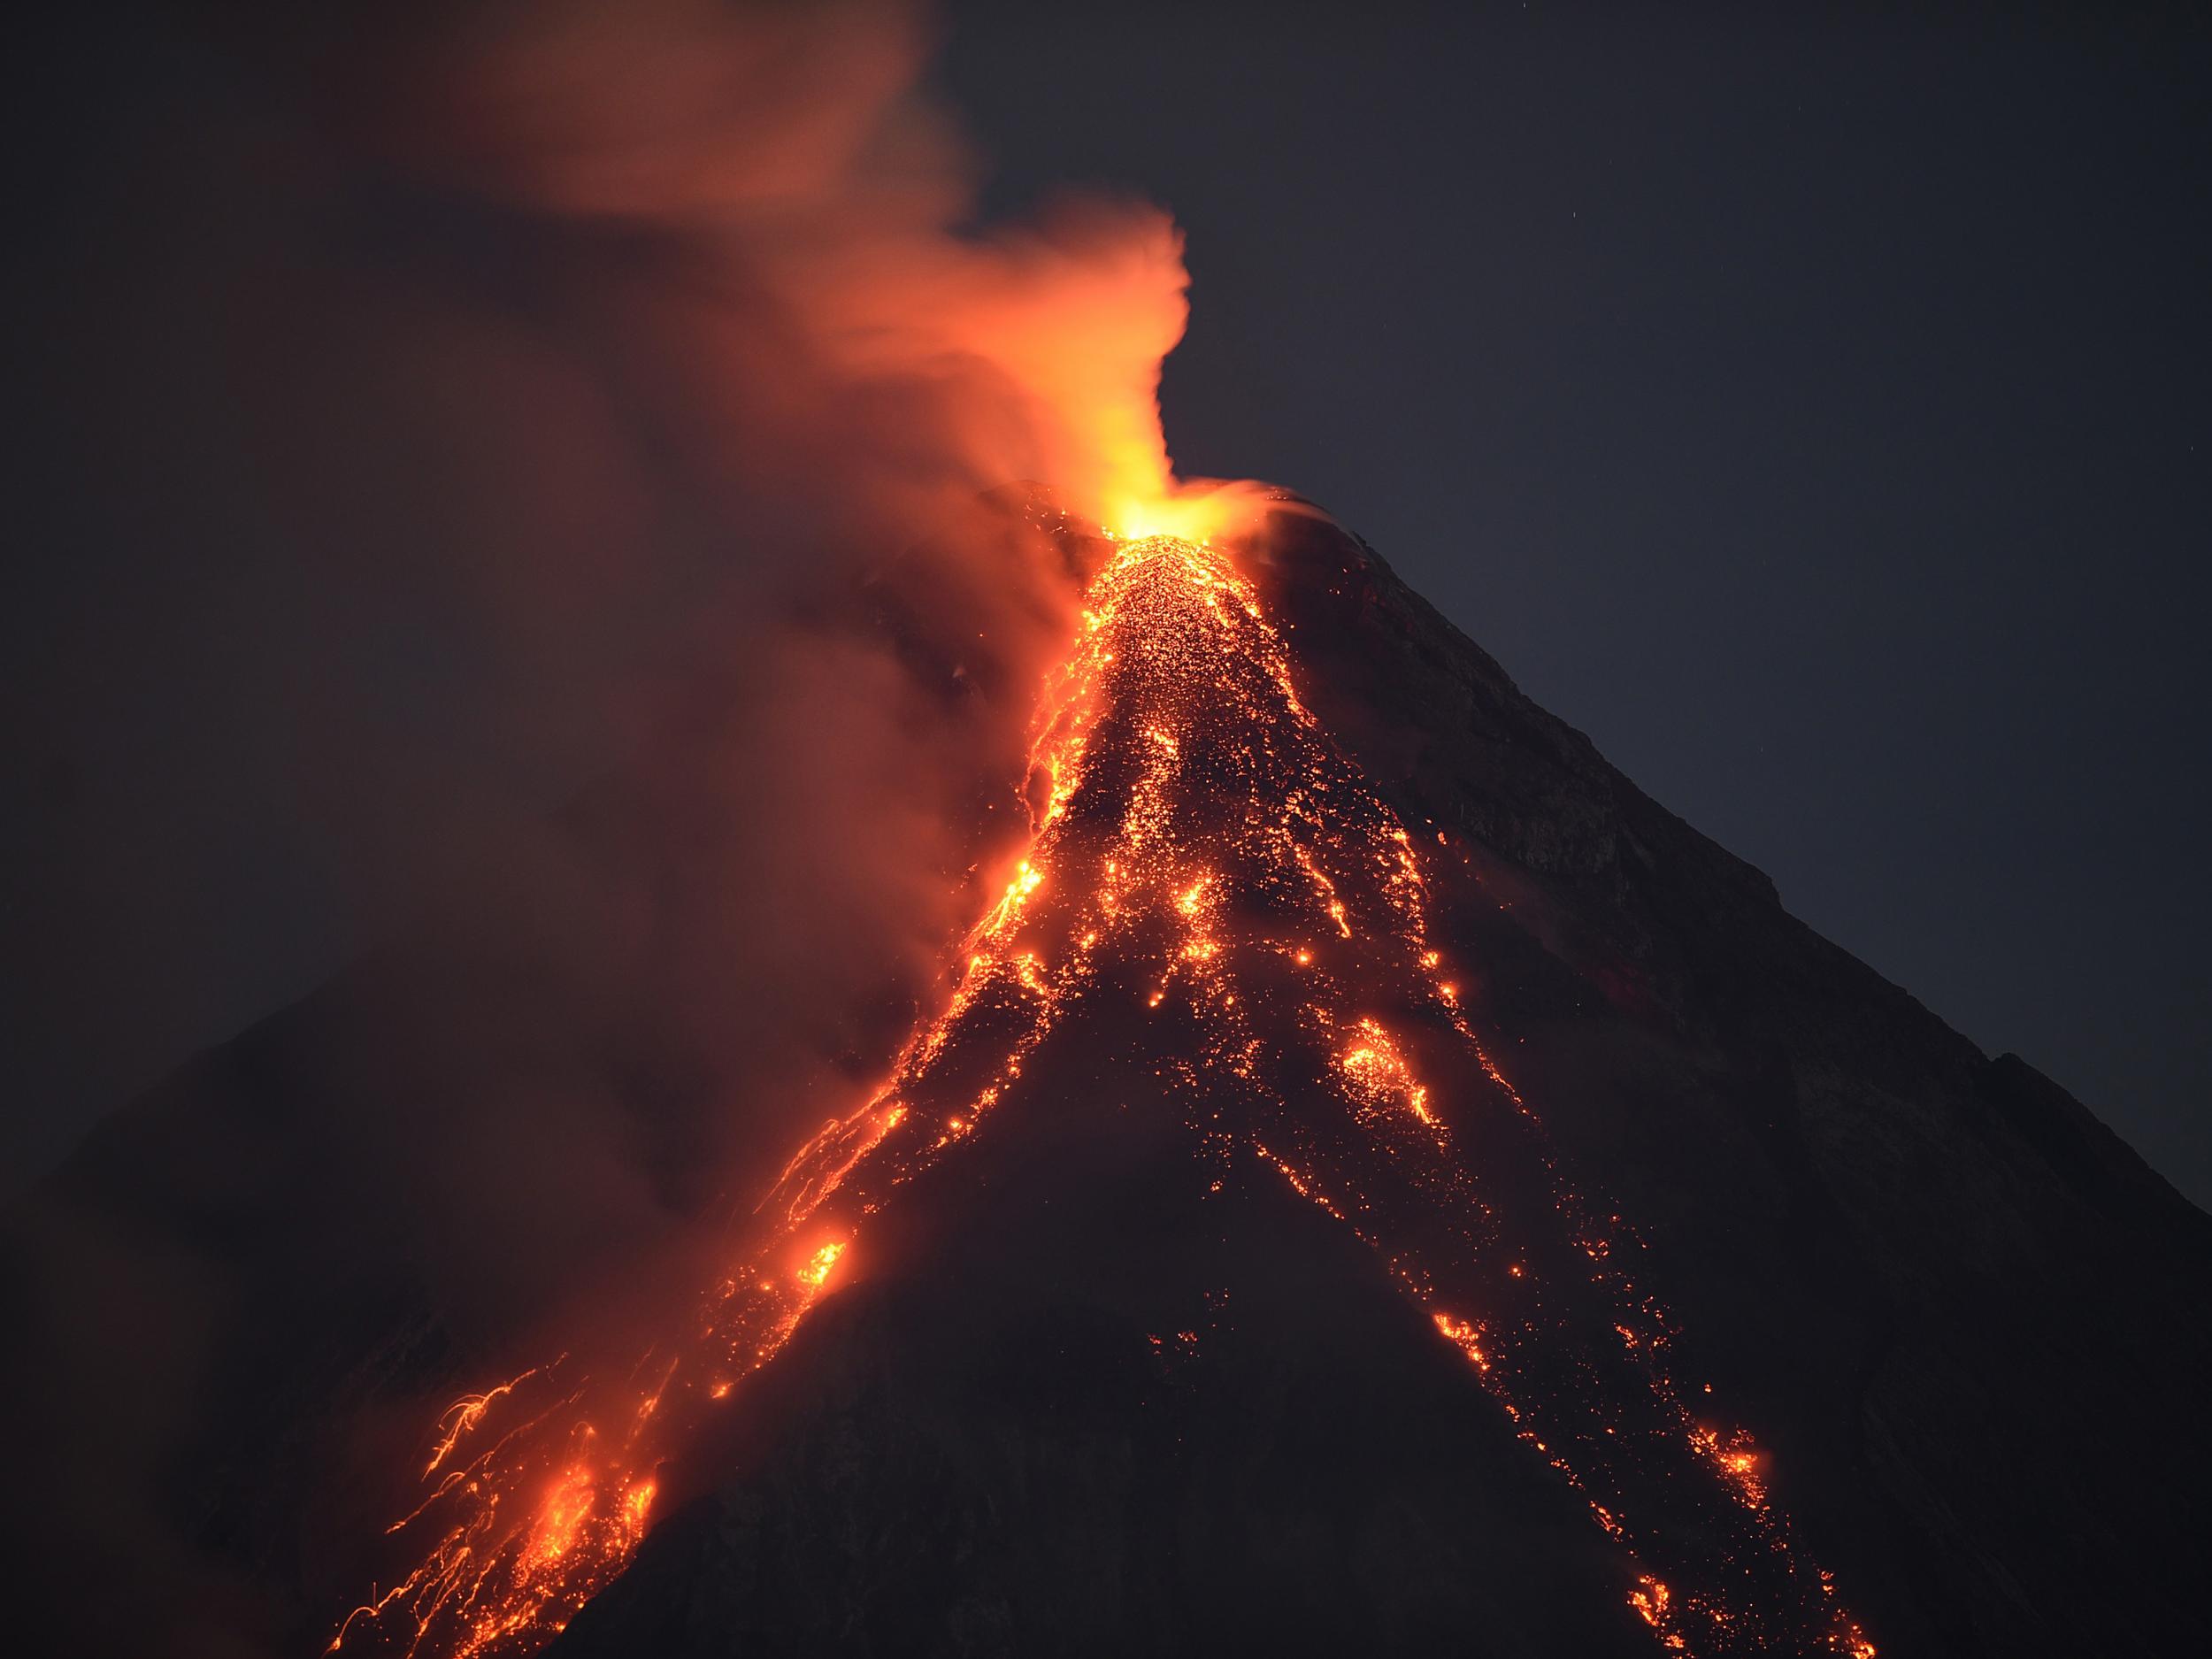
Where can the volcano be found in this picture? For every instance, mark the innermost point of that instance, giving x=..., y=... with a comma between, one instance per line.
x=1375, y=1182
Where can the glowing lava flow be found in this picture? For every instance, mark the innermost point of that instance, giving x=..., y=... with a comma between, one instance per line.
x=1202, y=852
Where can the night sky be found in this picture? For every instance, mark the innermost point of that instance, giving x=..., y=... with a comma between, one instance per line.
x=1810, y=411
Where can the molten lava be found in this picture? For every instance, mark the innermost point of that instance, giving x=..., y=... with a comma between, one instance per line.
x=1203, y=854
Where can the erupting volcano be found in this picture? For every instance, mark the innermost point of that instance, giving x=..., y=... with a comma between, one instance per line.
x=817, y=1052
x=1229, y=925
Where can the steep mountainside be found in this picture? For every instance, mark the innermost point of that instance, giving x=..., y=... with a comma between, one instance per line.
x=1419, y=1036
x=1967, y=1319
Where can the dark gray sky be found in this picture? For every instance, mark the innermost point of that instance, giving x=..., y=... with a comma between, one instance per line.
x=1812, y=411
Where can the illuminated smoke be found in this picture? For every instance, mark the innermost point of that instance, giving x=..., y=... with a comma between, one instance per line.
x=788, y=149
x=490, y=438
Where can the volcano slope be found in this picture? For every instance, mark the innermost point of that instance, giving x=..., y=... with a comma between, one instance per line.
x=1380, y=1183
x=1799, y=1301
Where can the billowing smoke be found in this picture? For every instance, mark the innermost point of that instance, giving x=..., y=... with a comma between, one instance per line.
x=511, y=492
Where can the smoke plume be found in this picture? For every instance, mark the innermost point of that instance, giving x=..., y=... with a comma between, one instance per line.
x=509, y=512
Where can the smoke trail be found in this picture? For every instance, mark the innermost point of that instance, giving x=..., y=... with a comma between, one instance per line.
x=526, y=460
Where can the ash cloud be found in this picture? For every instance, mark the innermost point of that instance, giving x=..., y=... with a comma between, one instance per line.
x=504, y=509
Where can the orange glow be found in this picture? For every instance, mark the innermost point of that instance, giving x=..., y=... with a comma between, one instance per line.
x=1377, y=1073
x=1738, y=1459
x=561, y=1517
x=1466, y=1338
x=639, y=1500
x=815, y=1273
x=1650, y=1598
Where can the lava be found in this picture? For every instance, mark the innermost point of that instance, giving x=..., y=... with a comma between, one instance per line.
x=1203, y=850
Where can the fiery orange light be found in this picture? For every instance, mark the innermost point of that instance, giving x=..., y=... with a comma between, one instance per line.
x=818, y=1266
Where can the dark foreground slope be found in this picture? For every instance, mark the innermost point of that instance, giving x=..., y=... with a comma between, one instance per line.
x=1972, y=1319
x=1966, y=1324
